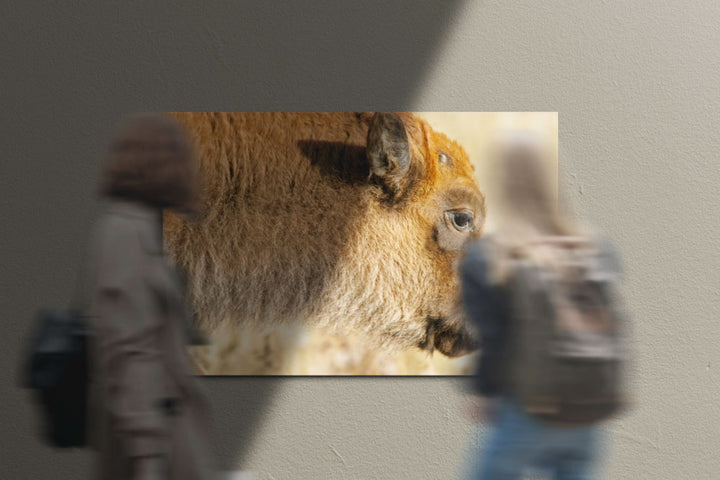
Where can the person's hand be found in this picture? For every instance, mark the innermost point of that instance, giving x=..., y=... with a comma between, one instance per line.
x=481, y=409
x=149, y=468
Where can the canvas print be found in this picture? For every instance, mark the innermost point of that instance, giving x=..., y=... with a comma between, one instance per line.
x=328, y=242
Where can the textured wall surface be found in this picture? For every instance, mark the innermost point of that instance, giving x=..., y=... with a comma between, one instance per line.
x=637, y=89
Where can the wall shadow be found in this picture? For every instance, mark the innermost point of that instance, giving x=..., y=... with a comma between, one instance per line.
x=352, y=170
x=77, y=68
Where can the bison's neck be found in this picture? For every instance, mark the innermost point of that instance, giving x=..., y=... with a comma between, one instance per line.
x=286, y=195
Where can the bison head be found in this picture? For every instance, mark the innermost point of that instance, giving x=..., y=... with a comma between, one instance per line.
x=403, y=259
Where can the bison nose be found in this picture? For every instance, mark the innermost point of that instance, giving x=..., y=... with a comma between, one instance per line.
x=448, y=339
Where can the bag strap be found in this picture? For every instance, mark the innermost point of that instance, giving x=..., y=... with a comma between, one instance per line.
x=80, y=300
x=571, y=242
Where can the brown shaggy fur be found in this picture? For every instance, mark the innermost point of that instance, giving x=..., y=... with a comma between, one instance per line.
x=297, y=229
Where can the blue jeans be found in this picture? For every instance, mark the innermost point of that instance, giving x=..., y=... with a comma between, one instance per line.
x=520, y=443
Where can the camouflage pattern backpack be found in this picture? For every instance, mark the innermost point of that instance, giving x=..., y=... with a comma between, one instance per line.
x=566, y=334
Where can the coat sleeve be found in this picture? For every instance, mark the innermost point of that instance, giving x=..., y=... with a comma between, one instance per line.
x=128, y=344
x=483, y=304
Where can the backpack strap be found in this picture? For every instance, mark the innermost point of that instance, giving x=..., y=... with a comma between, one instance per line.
x=571, y=242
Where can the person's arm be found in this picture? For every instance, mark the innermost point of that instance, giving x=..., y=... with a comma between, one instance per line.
x=483, y=305
x=129, y=350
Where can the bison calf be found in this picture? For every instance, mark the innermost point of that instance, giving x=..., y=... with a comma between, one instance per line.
x=352, y=221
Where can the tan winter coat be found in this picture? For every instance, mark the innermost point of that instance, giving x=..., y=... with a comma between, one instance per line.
x=144, y=400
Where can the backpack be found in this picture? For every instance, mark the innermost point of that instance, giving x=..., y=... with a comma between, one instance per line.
x=566, y=335
x=56, y=369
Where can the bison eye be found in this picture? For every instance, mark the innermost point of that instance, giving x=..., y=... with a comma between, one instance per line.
x=443, y=157
x=462, y=220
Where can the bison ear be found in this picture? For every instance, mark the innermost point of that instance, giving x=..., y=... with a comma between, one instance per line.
x=388, y=151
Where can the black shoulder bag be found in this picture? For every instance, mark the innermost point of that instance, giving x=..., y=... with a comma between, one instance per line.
x=56, y=368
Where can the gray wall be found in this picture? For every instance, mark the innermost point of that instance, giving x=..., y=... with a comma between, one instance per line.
x=636, y=86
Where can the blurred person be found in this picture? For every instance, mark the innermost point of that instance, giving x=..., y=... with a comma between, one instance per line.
x=551, y=434
x=149, y=418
